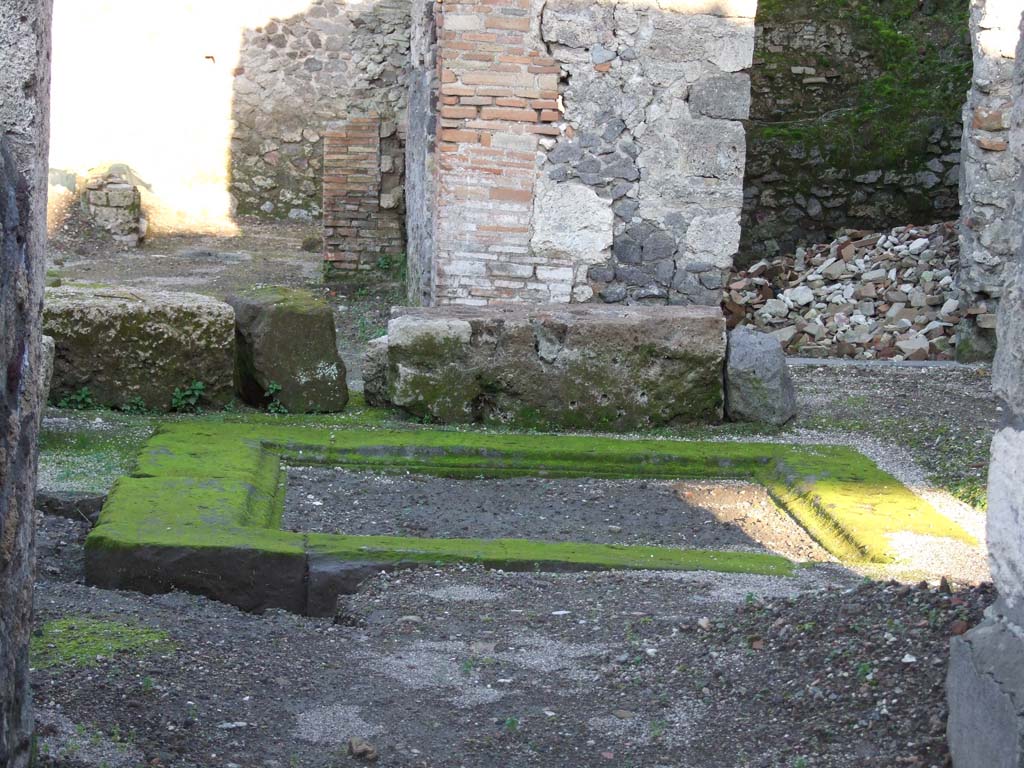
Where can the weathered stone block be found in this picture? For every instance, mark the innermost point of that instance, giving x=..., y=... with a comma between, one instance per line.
x=286, y=337
x=585, y=368
x=986, y=717
x=125, y=343
x=758, y=386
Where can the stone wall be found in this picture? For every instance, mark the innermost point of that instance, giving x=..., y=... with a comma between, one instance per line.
x=589, y=152
x=363, y=222
x=24, y=133
x=298, y=74
x=988, y=234
x=986, y=676
x=853, y=120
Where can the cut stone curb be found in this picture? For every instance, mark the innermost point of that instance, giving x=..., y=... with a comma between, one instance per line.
x=553, y=366
x=202, y=512
x=286, y=337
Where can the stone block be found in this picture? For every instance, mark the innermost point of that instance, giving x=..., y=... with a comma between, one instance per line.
x=986, y=717
x=758, y=386
x=571, y=367
x=286, y=338
x=126, y=344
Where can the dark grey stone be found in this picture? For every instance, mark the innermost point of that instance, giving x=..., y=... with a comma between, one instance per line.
x=712, y=280
x=601, y=274
x=613, y=129
x=613, y=293
x=758, y=386
x=626, y=250
x=559, y=173
x=658, y=246
x=626, y=209
x=566, y=152
x=619, y=167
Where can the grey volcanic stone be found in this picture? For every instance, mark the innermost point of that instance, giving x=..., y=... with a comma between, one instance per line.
x=593, y=367
x=126, y=343
x=287, y=337
x=758, y=386
x=24, y=135
x=375, y=372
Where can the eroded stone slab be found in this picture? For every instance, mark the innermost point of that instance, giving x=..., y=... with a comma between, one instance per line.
x=585, y=368
x=133, y=346
x=287, y=351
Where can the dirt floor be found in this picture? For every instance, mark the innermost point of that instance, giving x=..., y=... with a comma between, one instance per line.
x=464, y=667
x=721, y=516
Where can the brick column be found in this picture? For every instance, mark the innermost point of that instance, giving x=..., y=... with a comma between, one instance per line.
x=358, y=231
x=499, y=94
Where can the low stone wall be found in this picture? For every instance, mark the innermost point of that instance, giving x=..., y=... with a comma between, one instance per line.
x=600, y=368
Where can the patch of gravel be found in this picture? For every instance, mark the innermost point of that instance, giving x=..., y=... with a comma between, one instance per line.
x=332, y=724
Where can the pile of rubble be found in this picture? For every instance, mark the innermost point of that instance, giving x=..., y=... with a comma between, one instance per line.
x=865, y=295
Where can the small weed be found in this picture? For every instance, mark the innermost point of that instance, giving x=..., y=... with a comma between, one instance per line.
x=187, y=400
x=78, y=401
x=275, y=405
x=511, y=724
x=135, y=406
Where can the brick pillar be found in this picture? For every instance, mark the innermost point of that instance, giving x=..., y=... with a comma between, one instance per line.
x=358, y=230
x=499, y=94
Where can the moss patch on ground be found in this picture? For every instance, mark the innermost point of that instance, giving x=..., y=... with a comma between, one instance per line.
x=80, y=641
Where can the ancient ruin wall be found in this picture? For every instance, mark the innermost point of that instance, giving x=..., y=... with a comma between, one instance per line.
x=294, y=77
x=854, y=120
x=590, y=151
x=24, y=133
x=988, y=234
x=985, y=687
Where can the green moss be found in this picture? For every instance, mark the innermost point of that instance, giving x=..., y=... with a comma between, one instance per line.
x=78, y=641
x=290, y=298
x=218, y=485
x=519, y=554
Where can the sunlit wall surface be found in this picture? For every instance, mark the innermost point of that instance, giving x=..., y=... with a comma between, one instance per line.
x=149, y=83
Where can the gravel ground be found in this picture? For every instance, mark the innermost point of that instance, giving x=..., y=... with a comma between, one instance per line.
x=729, y=516
x=466, y=667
